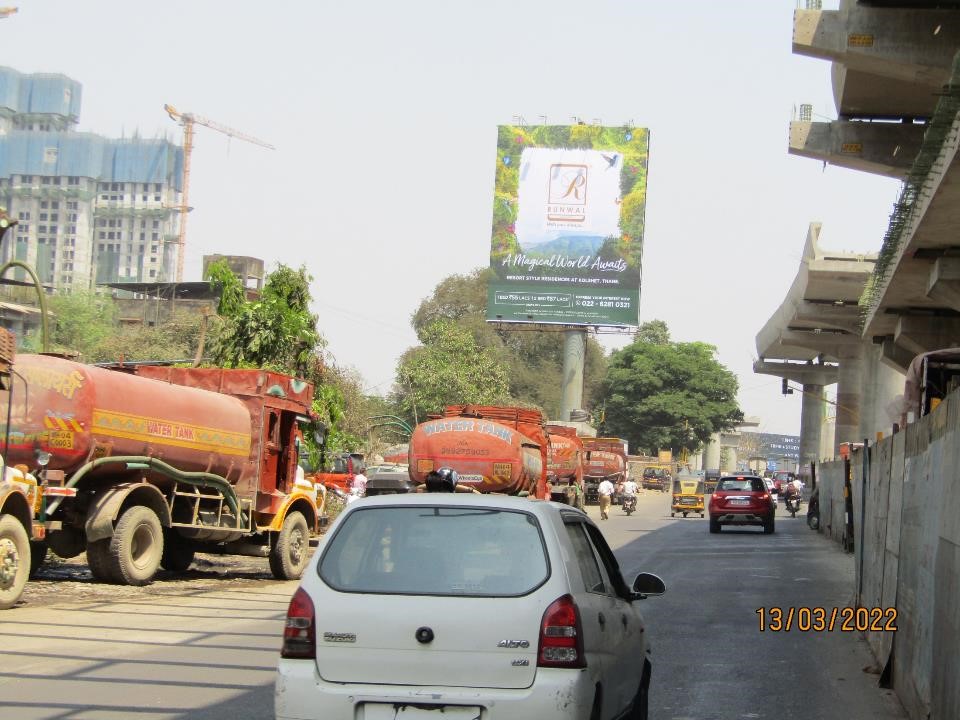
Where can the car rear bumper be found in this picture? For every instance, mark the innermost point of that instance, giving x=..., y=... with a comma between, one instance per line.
x=300, y=694
x=741, y=517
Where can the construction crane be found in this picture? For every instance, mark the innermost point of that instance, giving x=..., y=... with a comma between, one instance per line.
x=188, y=120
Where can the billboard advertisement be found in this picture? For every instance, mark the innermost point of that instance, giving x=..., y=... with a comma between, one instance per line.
x=568, y=218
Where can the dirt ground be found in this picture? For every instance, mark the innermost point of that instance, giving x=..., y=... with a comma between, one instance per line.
x=60, y=581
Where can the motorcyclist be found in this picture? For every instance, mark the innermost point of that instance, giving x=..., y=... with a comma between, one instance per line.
x=792, y=492
x=630, y=490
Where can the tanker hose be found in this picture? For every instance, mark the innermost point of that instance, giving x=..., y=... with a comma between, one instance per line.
x=201, y=479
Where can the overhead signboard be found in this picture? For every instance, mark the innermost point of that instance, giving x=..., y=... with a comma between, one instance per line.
x=568, y=219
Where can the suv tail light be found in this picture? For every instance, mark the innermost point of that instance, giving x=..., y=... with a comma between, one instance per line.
x=299, y=631
x=561, y=636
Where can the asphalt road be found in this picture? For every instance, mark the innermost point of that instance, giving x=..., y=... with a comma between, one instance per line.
x=205, y=647
x=711, y=661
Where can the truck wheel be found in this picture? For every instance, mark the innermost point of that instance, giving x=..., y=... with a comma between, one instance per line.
x=38, y=556
x=177, y=552
x=98, y=560
x=14, y=560
x=136, y=546
x=67, y=543
x=291, y=551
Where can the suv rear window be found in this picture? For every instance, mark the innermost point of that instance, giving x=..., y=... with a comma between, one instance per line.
x=436, y=551
x=749, y=484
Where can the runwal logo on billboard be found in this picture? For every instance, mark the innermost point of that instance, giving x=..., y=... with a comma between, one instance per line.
x=568, y=201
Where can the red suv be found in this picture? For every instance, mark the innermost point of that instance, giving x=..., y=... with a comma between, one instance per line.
x=741, y=500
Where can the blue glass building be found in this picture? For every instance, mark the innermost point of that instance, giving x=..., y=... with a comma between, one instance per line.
x=90, y=209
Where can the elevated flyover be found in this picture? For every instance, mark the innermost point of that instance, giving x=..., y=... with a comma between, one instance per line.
x=813, y=339
x=896, y=85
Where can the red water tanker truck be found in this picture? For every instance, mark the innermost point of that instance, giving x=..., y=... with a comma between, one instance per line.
x=565, y=461
x=494, y=449
x=606, y=460
x=148, y=464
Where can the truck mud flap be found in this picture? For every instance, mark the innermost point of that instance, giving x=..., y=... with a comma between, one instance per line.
x=102, y=514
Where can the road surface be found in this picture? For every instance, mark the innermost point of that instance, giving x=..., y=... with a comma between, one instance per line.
x=205, y=647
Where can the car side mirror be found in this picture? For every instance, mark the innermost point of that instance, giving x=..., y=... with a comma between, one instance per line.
x=646, y=584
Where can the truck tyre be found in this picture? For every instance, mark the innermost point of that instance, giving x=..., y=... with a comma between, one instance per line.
x=98, y=560
x=291, y=551
x=14, y=560
x=177, y=552
x=38, y=556
x=136, y=546
x=67, y=543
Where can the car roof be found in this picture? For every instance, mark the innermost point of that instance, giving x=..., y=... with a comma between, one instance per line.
x=504, y=502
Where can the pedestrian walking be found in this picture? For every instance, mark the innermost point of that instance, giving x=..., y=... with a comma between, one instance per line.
x=605, y=491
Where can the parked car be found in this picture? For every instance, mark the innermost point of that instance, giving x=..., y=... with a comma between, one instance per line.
x=742, y=500
x=388, y=480
x=656, y=478
x=461, y=606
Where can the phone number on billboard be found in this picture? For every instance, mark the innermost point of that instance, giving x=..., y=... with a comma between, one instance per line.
x=602, y=303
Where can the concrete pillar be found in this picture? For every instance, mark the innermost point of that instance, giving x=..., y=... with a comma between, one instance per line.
x=731, y=463
x=848, y=398
x=574, y=354
x=811, y=420
x=880, y=385
x=711, y=454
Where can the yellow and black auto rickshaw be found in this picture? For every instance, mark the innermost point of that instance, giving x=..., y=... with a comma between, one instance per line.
x=687, y=495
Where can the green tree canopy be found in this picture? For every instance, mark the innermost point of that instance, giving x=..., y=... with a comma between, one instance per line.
x=533, y=360
x=278, y=331
x=82, y=323
x=668, y=395
x=449, y=368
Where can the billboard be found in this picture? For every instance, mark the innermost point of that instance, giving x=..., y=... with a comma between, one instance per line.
x=568, y=218
x=770, y=446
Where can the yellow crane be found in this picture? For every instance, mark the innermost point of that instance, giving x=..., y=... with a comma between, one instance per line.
x=188, y=120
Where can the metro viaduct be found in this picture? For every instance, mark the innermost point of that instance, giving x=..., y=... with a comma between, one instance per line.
x=859, y=320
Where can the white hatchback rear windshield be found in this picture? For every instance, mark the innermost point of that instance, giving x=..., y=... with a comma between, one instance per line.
x=436, y=551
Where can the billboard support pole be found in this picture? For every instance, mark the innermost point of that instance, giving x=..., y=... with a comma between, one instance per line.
x=574, y=353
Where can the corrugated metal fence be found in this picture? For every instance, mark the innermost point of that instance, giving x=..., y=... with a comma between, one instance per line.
x=906, y=508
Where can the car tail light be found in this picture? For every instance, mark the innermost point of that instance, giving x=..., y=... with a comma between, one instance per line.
x=299, y=631
x=561, y=636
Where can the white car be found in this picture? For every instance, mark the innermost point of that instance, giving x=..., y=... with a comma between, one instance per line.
x=457, y=606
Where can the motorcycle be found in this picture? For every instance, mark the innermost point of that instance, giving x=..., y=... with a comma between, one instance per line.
x=792, y=503
x=629, y=504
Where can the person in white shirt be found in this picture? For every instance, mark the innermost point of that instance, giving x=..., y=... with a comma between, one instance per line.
x=630, y=487
x=605, y=491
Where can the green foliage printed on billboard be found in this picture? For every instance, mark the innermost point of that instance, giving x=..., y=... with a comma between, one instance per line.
x=568, y=216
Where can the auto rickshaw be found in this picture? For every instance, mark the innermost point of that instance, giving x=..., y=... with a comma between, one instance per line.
x=687, y=496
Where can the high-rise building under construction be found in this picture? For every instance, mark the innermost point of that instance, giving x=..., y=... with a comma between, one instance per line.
x=90, y=209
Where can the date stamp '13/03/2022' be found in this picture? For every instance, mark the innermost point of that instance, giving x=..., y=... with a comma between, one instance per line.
x=819, y=619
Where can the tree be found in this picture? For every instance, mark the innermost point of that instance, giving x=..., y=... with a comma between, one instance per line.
x=82, y=322
x=672, y=395
x=449, y=368
x=175, y=339
x=278, y=331
x=533, y=360
x=654, y=332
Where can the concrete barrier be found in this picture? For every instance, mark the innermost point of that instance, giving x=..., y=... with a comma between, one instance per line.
x=906, y=538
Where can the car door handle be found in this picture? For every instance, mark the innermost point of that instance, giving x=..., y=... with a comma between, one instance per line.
x=601, y=619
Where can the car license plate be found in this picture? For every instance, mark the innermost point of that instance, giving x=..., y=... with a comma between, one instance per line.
x=384, y=711
x=738, y=501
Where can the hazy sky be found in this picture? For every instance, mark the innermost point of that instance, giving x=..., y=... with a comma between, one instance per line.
x=384, y=115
